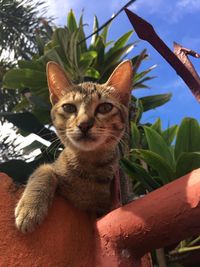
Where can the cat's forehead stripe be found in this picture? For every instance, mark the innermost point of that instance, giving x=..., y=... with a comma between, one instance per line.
x=88, y=90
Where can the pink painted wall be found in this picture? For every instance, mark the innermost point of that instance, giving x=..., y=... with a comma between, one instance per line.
x=71, y=238
x=67, y=237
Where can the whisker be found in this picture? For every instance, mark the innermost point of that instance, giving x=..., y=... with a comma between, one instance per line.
x=120, y=141
x=55, y=152
x=53, y=145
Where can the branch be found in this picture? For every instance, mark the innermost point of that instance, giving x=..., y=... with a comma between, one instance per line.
x=182, y=53
x=108, y=21
x=146, y=32
x=188, y=51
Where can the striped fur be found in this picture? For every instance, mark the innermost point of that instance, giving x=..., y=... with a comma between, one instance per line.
x=85, y=169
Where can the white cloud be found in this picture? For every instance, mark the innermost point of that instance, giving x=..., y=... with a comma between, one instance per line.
x=171, y=11
x=116, y=5
x=183, y=7
x=190, y=5
x=104, y=10
x=192, y=42
x=152, y=6
x=174, y=84
x=59, y=9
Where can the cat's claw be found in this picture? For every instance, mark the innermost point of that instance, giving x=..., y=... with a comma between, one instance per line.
x=28, y=216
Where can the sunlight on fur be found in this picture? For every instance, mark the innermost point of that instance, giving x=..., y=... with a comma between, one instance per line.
x=90, y=120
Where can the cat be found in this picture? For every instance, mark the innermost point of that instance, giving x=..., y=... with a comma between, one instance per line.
x=90, y=120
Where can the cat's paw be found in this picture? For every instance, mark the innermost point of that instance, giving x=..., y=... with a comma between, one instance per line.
x=29, y=215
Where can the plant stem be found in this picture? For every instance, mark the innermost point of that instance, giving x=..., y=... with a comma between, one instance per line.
x=184, y=250
x=194, y=241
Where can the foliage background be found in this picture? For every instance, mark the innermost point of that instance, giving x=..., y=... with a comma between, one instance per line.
x=157, y=155
x=175, y=20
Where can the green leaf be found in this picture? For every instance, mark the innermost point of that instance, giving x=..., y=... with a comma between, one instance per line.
x=158, y=145
x=39, y=103
x=112, y=57
x=89, y=55
x=71, y=21
x=73, y=50
x=188, y=137
x=140, y=174
x=92, y=73
x=100, y=49
x=120, y=43
x=108, y=43
x=23, y=104
x=83, y=44
x=60, y=41
x=135, y=135
x=40, y=43
x=19, y=170
x=136, y=61
x=187, y=162
x=53, y=55
x=48, y=29
x=84, y=65
x=48, y=46
x=157, y=163
x=31, y=64
x=22, y=78
x=169, y=134
x=27, y=122
x=104, y=33
x=151, y=102
x=140, y=75
x=95, y=27
x=139, y=110
x=42, y=115
x=140, y=86
x=113, y=60
x=140, y=83
x=157, y=126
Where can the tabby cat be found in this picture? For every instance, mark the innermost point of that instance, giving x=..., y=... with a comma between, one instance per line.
x=90, y=120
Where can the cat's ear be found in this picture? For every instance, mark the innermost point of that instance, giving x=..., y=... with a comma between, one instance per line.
x=121, y=82
x=58, y=82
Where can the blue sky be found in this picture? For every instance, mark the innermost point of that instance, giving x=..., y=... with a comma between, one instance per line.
x=173, y=20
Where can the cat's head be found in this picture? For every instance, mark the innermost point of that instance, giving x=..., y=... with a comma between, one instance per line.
x=90, y=116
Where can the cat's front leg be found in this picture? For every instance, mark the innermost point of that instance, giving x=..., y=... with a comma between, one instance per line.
x=36, y=199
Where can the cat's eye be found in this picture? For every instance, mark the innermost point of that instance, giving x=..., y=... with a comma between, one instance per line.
x=69, y=108
x=104, y=108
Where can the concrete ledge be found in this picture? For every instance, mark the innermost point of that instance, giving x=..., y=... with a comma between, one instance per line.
x=71, y=238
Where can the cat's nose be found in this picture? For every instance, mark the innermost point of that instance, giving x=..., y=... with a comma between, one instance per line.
x=84, y=126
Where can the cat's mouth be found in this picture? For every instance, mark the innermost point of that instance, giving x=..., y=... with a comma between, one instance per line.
x=86, y=137
x=86, y=141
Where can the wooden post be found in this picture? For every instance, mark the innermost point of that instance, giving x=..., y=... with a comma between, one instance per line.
x=183, y=68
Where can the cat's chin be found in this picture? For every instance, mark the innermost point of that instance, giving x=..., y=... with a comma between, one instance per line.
x=85, y=144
